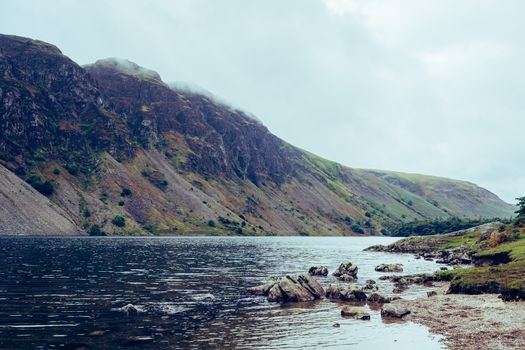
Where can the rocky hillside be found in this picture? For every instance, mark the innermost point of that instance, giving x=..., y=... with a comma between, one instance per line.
x=23, y=210
x=122, y=152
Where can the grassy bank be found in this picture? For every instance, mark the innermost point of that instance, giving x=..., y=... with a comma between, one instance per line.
x=497, y=251
x=501, y=255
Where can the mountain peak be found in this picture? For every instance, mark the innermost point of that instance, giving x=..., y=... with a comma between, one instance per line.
x=126, y=67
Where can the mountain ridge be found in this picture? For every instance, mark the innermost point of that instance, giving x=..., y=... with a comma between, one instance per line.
x=191, y=164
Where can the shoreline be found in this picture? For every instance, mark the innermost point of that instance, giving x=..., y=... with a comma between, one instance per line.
x=469, y=322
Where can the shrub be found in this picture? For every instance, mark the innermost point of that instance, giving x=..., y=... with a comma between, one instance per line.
x=86, y=213
x=357, y=228
x=150, y=227
x=46, y=187
x=119, y=221
x=125, y=192
x=121, y=203
x=71, y=168
x=56, y=171
x=96, y=231
x=211, y=223
x=163, y=184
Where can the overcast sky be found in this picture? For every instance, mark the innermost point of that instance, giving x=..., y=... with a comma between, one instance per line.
x=434, y=87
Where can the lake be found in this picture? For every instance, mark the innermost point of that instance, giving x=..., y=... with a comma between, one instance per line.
x=65, y=292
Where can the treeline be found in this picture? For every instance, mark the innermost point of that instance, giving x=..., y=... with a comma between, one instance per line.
x=438, y=226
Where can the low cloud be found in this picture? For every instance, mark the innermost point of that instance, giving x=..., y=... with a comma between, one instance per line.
x=433, y=87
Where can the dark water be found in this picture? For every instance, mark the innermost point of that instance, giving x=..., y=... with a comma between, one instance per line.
x=55, y=292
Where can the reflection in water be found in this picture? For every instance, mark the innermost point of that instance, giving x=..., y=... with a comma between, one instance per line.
x=65, y=293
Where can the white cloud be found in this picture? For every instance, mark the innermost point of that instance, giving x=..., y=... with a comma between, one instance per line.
x=342, y=7
x=457, y=60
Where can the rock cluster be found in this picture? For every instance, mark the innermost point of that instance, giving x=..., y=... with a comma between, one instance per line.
x=389, y=268
x=346, y=292
x=346, y=272
x=401, y=283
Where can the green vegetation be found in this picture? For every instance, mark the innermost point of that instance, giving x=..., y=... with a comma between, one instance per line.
x=46, y=187
x=425, y=228
x=56, y=171
x=151, y=228
x=125, y=192
x=155, y=177
x=71, y=168
x=521, y=207
x=357, y=229
x=499, y=254
x=507, y=278
x=119, y=221
x=95, y=230
x=211, y=223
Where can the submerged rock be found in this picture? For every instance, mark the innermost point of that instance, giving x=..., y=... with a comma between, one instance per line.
x=346, y=293
x=129, y=309
x=389, y=268
x=394, y=311
x=356, y=312
x=318, y=271
x=346, y=272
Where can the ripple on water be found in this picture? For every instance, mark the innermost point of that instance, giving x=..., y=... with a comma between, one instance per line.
x=189, y=293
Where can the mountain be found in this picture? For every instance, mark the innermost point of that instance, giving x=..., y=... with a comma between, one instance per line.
x=115, y=147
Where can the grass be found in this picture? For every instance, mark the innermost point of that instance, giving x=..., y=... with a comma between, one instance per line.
x=508, y=278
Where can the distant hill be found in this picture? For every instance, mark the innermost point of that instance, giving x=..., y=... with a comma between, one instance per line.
x=112, y=138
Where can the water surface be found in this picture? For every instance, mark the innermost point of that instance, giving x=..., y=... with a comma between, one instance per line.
x=64, y=293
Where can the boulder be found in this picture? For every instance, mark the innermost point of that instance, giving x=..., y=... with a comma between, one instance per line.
x=318, y=271
x=377, y=298
x=295, y=289
x=431, y=293
x=346, y=293
x=346, y=269
x=355, y=312
x=389, y=268
x=394, y=311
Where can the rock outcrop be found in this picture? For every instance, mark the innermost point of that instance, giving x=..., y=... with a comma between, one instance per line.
x=350, y=293
x=291, y=289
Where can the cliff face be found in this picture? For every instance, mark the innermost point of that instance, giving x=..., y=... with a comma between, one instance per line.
x=52, y=109
x=113, y=139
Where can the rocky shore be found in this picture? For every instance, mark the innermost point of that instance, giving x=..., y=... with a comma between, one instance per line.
x=470, y=322
x=480, y=287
